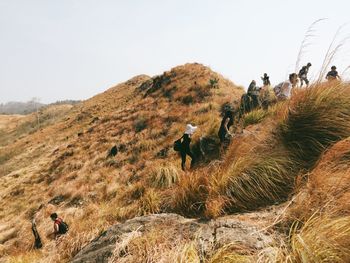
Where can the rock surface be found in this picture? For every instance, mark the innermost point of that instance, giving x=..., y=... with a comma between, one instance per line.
x=207, y=235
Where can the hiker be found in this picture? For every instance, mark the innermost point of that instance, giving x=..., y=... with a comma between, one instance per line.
x=185, y=146
x=266, y=97
x=303, y=75
x=226, y=123
x=284, y=89
x=60, y=227
x=253, y=92
x=333, y=74
x=266, y=80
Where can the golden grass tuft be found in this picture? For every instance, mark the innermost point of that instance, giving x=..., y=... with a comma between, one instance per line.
x=254, y=117
x=164, y=176
x=254, y=181
x=317, y=118
x=150, y=202
x=190, y=195
x=230, y=253
x=322, y=239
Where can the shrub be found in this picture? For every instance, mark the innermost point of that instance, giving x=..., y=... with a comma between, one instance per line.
x=214, y=83
x=140, y=124
x=187, y=100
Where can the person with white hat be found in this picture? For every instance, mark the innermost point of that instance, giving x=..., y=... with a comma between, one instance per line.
x=185, y=145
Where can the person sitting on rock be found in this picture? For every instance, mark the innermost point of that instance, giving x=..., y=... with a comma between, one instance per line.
x=333, y=74
x=185, y=146
x=59, y=226
x=303, y=74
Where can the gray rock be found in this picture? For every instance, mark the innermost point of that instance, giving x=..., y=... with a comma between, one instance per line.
x=207, y=235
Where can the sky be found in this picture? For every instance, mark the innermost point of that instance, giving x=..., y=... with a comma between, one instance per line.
x=75, y=49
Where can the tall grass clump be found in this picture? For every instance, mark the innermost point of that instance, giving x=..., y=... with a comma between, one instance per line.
x=322, y=239
x=164, y=176
x=254, y=117
x=256, y=181
x=317, y=118
x=230, y=253
x=190, y=195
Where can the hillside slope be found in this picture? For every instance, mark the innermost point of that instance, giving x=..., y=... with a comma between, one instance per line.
x=278, y=193
x=62, y=165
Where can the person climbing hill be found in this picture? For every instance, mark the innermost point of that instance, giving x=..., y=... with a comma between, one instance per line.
x=226, y=122
x=266, y=80
x=59, y=226
x=267, y=97
x=303, y=75
x=333, y=74
x=253, y=91
x=284, y=89
x=185, y=146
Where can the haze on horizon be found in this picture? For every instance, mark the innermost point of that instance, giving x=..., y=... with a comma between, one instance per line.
x=57, y=50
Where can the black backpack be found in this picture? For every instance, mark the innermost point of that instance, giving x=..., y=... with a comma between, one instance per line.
x=63, y=228
x=177, y=145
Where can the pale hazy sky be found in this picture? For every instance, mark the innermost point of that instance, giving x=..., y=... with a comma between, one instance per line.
x=74, y=49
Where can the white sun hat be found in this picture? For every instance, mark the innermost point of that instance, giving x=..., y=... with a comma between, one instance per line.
x=190, y=129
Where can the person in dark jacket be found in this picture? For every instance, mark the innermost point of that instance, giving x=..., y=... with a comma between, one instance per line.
x=266, y=80
x=185, y=146
x=253, y=92
x=333, y=74
x=303, y=75
x=226, y=122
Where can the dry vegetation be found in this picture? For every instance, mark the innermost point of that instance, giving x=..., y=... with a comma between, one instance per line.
x=297, y=152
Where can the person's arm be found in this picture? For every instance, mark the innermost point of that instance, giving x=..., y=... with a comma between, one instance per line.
x=55, y=229
x=226, y=123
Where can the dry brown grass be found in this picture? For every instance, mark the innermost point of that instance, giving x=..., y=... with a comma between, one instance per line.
x=256, y=170
x=328, y=185
x=322, y=239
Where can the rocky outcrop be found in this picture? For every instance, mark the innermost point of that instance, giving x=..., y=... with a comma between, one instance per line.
x=207, y=235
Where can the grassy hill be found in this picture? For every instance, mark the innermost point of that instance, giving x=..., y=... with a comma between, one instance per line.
x=292, y=158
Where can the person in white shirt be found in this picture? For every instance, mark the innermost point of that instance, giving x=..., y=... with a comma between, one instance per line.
x=284, y=89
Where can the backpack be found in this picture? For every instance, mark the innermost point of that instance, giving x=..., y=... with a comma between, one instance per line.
x=177, y=145
x=62, y=227
x=277, y=89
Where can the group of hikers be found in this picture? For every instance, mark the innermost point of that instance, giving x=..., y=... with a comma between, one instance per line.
x=256, y=97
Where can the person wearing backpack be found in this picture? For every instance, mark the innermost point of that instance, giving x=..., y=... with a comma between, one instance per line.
x=303, y=75
x=253, y=91
x=60, y=227
x=183, y=145
x=226, y=122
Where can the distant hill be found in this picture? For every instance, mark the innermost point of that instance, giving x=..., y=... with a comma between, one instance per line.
x=24, y=108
